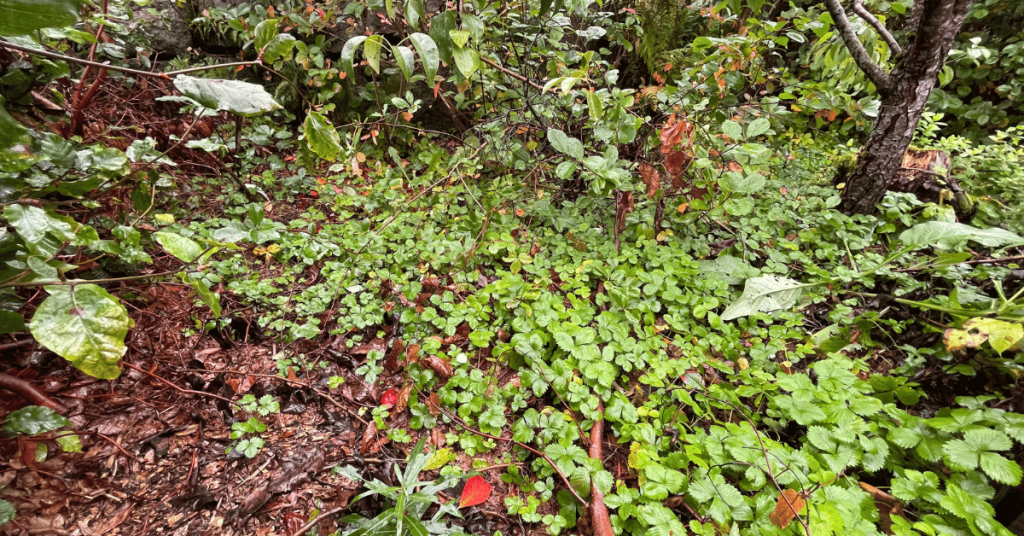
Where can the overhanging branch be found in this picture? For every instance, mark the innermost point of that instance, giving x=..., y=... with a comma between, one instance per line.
x=860, y=55
x=858, y=8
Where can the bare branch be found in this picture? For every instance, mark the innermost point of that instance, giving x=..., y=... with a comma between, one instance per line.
x=860, y=55
x=858, y=8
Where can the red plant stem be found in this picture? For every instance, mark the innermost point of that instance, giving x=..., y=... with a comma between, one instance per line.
x=29, y=392
x=598, y=511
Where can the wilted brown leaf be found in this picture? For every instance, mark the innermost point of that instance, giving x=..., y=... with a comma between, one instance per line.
x=412, y=353
x=651, y=178
x=403, y=399
x=440, y=367
x=789, y=505
x=379, y=345
x=434, y=404
x=393, y=362
x=623, y=206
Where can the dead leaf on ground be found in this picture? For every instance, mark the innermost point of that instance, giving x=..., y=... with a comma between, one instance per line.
x=789, y=505
x=440, y=367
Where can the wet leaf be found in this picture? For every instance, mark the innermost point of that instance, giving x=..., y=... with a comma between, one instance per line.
x=477, y=491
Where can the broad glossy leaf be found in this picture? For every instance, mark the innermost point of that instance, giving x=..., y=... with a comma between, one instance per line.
x=185, y=249
x=936, y=232
x=440, y=25
x=465, y=60
x=414, y=13
x=44, y=232
x=736, y=182
x=757, y=127
x=34, y=420
x=429, y=54
x=234, y=96
x=321, y=136
x=348, y=54
x=266, y=31
x=765, y=294
x=21, y=17
x=565, y=144
x=405, y=59
x=477, y=491
x=85, y=325
x=733, y=130
x=371, y=51
x=280, y=47
x=459, y=37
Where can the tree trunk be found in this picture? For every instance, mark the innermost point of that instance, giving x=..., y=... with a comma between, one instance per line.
x=904, y=94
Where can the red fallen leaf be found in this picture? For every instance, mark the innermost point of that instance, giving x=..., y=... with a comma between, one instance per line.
x=477, y=491
x=389, y=398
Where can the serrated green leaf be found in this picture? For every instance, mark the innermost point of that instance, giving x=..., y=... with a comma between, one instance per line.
x=85, y=325
x=1001, y=469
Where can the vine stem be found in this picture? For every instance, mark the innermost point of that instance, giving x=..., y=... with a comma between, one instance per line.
x=457, y=420
x=167, y=75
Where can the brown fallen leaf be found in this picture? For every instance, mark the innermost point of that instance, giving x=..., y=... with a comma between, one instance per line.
x=789, y=505
x=440, y=367
x=393, y=361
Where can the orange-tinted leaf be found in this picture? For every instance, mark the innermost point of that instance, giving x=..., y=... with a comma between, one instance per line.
x=477, y=491
x=520, y=212
x=789, y=505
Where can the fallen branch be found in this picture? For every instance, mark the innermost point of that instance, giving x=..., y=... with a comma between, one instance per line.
x=72, y=59
x=29, y=392
x=598, y=510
